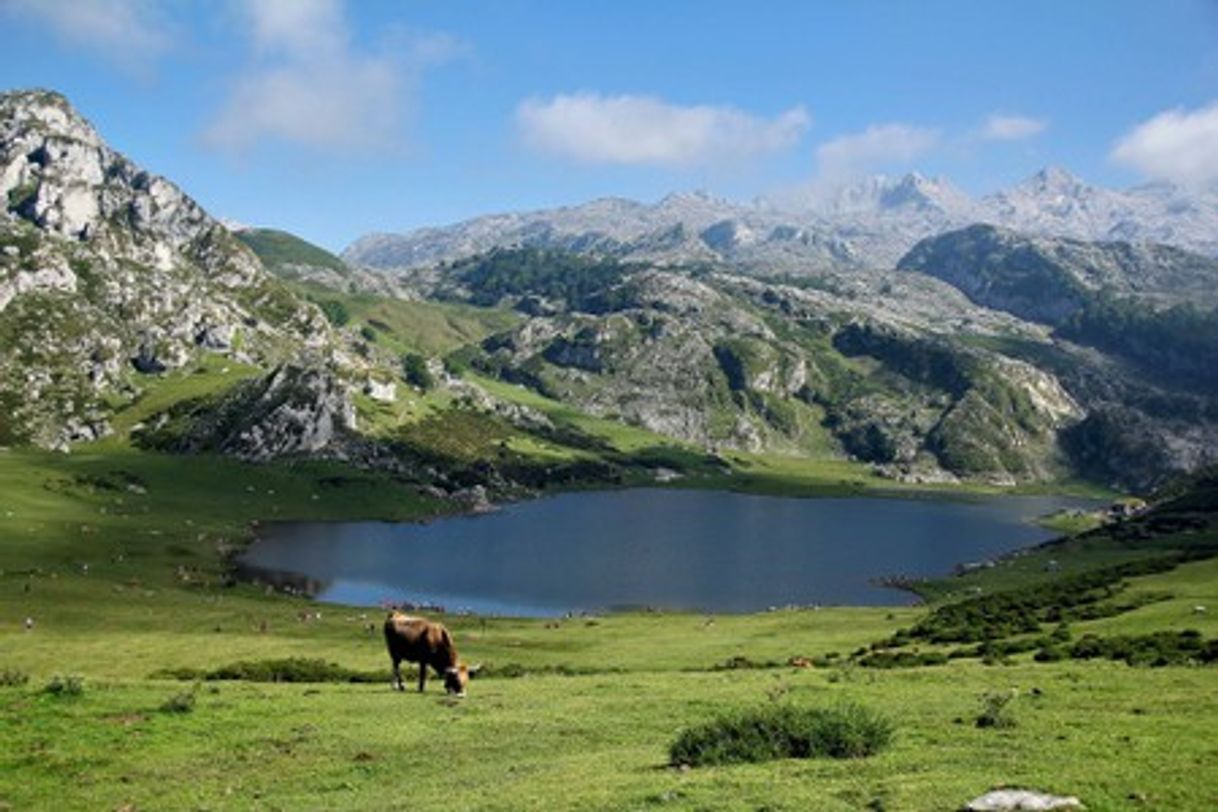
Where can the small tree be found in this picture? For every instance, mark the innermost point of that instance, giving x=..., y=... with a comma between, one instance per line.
x=414, y=368
x=335, y=311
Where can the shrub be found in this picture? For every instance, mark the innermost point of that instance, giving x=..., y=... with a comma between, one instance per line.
x=290, y=669
x=996, y=710
x=783, y=731
x=740, y=662
x=335, y=311
x=65, y=685
x=183, y=702
x=1022, y=610
x=12, y=678
x=1050, y=654
x=903, y=659
x=414, y=368
x=1156, y=649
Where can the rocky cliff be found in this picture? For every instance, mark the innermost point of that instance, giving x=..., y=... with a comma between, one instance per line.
x=1049, y=279
x=108, y=273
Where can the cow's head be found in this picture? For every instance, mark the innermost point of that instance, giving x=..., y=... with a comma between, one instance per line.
x=457, y=677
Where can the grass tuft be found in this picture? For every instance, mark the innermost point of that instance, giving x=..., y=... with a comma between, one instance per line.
x=12, y=678
x=996, y=710
x=783, y=731
x=65, y=685
x=180, y=703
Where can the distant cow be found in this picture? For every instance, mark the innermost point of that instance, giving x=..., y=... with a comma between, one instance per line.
x=422, y=641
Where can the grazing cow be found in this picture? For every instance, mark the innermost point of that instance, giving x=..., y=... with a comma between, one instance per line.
x=422, y=641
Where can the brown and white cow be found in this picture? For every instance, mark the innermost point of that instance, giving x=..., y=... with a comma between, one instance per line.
x=418, y=640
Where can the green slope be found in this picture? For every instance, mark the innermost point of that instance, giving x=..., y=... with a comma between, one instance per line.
x=278, y=249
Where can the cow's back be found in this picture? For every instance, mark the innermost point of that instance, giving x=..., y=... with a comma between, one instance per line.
x=418, y=640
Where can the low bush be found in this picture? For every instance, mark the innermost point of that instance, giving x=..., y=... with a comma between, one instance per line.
x=902, y=659
x=516, y=670
x=65, y=685
x=1084, y=596
x=996, y=710
x=1156, y=650
x=741, y=663
x=291, y=669
x=414, y=368
x=183, y=702
x=1050, y=654
x=783, y=731
x=12, y=678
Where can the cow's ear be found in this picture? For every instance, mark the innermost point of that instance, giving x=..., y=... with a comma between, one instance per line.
x=474, y=669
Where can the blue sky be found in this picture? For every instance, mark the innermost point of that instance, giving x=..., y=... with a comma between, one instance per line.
x=334, y=119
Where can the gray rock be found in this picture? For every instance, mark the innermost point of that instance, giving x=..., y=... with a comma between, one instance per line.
x=384, y=391
x=1010, y=800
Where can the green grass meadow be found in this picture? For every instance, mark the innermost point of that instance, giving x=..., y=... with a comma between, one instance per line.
x=587, y=725
x=118, y=557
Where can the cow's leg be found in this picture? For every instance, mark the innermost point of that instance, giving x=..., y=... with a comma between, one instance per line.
x=422, y=676
x=397, y=675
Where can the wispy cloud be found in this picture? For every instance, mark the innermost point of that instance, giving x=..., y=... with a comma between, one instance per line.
x=645, y=130
x=874, y=147
x=309, y=83
x=1177, y=145
x=129, y=33
x=1000, y=127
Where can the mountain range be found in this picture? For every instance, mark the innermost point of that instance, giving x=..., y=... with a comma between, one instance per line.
x=871, y=223
x=890, y=323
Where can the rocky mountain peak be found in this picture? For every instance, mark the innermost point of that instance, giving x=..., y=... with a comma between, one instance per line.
x=108, y=272
x=917, y=191
x=58, y=174
x=1056, y=179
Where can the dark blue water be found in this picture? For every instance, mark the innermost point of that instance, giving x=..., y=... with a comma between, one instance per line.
x=706, y=550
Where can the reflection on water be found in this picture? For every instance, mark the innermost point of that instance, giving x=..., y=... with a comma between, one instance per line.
x=658, y=548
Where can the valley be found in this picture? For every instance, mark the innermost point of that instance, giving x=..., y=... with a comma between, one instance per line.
x=170, y=383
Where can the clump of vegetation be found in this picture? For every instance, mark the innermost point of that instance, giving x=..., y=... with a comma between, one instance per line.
x=180, y=703
x=783, y=731
x=335, y=311
x=1050, y=654
x=65, y=685
x=1086, y=596
x=996, y=710
x=583, y=283
x=741, y=663
x=1175, y=344
x=516, y=670
x=414, y=368
x=1156, y=650
x=290, y=669
x=902, y=659
x=12, y=678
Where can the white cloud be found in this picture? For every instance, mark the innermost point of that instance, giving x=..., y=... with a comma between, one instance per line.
x=296, y=27
x=309, y=84
x=1177, y=145
x=645, y=130
x=132, y=33
x=877, y=145
x=999, y=127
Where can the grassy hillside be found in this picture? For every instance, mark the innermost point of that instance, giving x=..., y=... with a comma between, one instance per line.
x=278, y=249
x=433, y=328
x=116, y=556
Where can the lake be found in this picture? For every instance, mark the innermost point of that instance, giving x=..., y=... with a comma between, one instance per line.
x=673, y=549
